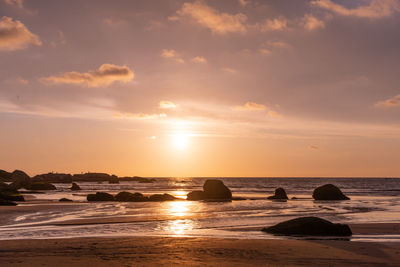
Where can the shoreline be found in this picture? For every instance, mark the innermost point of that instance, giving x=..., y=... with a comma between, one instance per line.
x=144, y=251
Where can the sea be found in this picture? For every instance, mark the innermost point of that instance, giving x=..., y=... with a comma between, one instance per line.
x=373, y=200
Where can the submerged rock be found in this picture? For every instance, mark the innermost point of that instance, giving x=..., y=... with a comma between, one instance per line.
x=100, y=196
x=65, y=200
x=215, y=189
x=312, y=226
x=75, y=187
x=196, y=195
x=19, y=180
x=162, y=197
x=280, y=193
x=129, y=197
x=328, y=192
x=41, y=186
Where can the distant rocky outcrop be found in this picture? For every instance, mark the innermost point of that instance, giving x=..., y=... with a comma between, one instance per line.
x=19, y=179
x=328, y=192
x=130, y=197
x=162, y=197
x=95, y=177
x=113, y=180
x=100, y=196
x=75, y=187
x=213, y=190
x=137, y=179
x=196, y=195
x=41, y=186
x=53, y=178
x=64, y=200
x=309, y=226
x=280, y=194
x=5, y=176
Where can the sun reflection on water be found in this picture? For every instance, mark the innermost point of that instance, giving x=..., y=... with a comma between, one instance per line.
x=178, y=208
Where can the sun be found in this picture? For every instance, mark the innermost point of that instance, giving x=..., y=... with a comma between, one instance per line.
x=180, y=141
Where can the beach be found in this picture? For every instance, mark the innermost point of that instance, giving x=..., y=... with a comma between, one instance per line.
x=168, y=251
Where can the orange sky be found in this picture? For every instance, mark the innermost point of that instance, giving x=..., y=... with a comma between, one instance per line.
x=201, y=88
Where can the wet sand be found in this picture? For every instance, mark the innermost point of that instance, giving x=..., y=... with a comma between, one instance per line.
x=167, y=251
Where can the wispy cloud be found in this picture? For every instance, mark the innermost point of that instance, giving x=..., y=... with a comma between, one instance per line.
x=199, y=59
x=105, y=75
x=208, y=17
x=376, y=8
x=313, y=147
x=277, y=24
x=171, y=54
x=311, y=22
x=391, y=102
x=20, y=5
x=164, y=104
x=251, y=106
x=15, y=36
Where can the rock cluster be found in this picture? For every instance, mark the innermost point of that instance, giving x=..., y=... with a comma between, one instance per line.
x=212, y=190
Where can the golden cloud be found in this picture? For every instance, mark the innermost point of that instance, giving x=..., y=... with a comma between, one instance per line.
x=376, y=8
x=15, y=36
x=171, y=54
x=217, y=22
x=199, y=59
x=105, y=75
x=311, y=23
x=167, y=105
x=277, y=24
x=251, y=106
x=391, y=102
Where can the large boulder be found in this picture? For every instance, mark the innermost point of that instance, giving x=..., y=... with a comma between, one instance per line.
x=75, y=187
x=19, y=180
x=280, y=194
x=64, y=200
x=196, y=195
x=312, y=226
x=113, y=180
x=129, y=197
x=215, y=189
x=5, y=176
x=162, y=197
x=328, y=192
x=100, y=196
x=7, y=203
x=41, y=186
x=3, y=186
x=11, y=196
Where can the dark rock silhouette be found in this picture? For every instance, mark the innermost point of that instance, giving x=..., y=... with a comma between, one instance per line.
x=75, y=187
x=65, y=200
x=280, y=193
x=3, y=186
x=19, y=180
x=113, y=180
x=162, y=197
x=328, y=192
x=196, y=195
x=41, y=186
x=53, y=178
x=11, y=196
x=7, y=203
x=137, y=179
x=100, y=196
x=5, y=176
x=312, y=226
x=129, y=197
x=215, y=189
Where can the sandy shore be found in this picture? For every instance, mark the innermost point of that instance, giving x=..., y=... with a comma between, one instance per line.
x=167, y=251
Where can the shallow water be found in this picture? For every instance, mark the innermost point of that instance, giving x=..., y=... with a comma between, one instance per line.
x=372, y=200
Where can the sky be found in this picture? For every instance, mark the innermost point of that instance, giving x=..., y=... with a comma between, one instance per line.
x=201, y=88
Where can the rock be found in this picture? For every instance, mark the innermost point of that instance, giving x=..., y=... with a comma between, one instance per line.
x=41, y=186
x=137, y=179
x=93, y=177
x=328, y=192
x=65, y=200
x=53, y=178
x=5, y=176
x=19, y=180
x=280, y=193
x=100, y=196
x=3, y=186
x=7, y=203
x=11, y=196
x=313, y=226
x=129, y=197
x=215, y=189
x=75, y=187
x=196, y=195
x=162, y=197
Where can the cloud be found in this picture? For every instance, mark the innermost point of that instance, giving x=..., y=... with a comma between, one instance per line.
x=311, y=23
x=268, y=47
x=277, y=24
x=229, y=70
x=274, y=114
x=140, y=116
x=167, y=105
x=104, y=76
x=16, y=3
x=114, y=22
x=391, y=102
x=251, y=106
x=376, y=8
x=313, y=147
x=15, y=36
x=199, y=59
x=171, y=54
x=217, y=22
x=244, y=2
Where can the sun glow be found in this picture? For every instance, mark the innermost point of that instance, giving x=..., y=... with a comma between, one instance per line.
x=180, y=141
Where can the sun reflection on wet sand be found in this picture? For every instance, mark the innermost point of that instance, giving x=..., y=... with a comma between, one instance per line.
x=179, y=227
x=178, y=208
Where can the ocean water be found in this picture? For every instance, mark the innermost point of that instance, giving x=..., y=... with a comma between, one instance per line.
x=42, y=216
